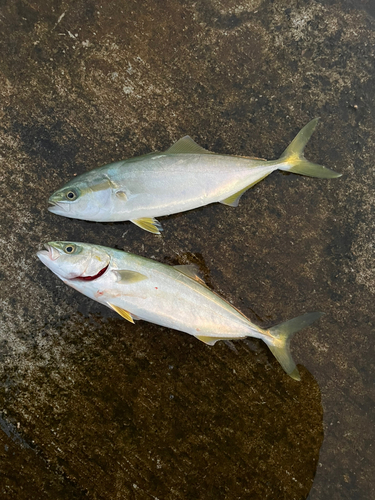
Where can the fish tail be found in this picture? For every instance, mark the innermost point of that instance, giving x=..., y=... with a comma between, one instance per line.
x=293, y=160
x=282, y=335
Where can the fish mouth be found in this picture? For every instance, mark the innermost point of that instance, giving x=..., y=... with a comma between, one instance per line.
x=49, y=252
x=56, y=207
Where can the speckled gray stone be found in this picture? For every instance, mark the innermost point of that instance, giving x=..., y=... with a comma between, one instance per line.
x=94, y=407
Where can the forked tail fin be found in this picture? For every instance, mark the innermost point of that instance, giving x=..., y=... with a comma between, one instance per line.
x=283, y=334
x=294, y=161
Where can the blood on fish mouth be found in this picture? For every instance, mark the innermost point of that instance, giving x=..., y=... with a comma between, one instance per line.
x=92, y=278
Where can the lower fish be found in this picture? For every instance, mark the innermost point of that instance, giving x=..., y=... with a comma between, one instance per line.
x=171, y=296
x=184, y=177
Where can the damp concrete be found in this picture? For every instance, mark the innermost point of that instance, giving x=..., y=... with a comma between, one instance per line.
x=94, y=407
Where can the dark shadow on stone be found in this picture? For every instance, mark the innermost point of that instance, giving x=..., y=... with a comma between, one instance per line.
x=150, y=411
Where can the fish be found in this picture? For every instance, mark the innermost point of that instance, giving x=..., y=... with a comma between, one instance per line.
x=175, y=297
x=184, y=177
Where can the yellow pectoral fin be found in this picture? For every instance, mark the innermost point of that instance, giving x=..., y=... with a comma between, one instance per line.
x=148, y=224
x=103, y=185
x=128, y=277
x=125, y=314
x=121, y=195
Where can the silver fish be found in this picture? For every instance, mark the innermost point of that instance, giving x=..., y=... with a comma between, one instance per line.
x=184, y=177
x=170, y=296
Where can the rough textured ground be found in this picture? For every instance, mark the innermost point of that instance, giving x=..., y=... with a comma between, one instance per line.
x=94, y=407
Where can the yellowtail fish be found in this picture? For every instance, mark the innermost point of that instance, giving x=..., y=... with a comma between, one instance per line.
x=184, y=177
x=170, y=296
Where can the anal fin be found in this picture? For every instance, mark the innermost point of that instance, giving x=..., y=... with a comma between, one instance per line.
x=234, y=199
x=125, y=314
x=212, y=340
x=148, y=224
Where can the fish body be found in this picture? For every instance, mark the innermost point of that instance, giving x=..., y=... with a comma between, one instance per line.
x=170, y=296
x=184, y=177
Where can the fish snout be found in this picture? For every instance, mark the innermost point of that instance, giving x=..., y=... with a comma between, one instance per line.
x=49, y=254
x=58, y=208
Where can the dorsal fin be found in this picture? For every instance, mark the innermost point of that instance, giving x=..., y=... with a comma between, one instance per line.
x=187, y=145
x=189, y=270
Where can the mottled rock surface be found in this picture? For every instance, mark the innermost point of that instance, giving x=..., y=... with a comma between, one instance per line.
x=94, y=407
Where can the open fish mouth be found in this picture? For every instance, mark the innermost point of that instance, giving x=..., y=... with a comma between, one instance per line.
x=54, y=203
x=49, y=252
x=57, y=207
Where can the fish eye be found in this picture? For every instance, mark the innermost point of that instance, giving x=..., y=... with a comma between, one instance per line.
x=71, y=195
x=69, y=249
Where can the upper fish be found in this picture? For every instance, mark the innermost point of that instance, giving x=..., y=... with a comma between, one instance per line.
x=171, y=296
x=184, y=177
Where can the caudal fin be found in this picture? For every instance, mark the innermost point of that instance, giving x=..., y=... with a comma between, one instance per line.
x=294, y=161
x=282, y=335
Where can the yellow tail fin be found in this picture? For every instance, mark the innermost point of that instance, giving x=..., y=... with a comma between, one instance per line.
x=296, y=162
x=282, y=335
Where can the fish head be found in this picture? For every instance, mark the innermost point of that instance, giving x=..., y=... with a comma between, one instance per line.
x=86, y=197
x=75, y=261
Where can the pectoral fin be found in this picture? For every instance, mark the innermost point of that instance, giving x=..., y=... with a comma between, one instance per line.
x=128, y=277
x=103, y=185
x=148, y=224
x=121, y=195
x=125, y=314
x=187, y=145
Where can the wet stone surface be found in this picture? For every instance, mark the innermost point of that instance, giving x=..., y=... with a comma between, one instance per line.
x=94, y=407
